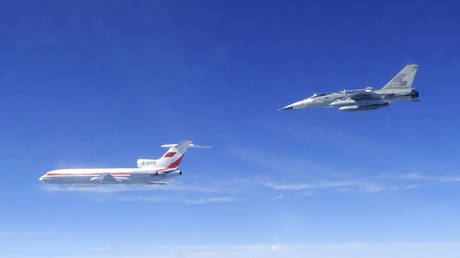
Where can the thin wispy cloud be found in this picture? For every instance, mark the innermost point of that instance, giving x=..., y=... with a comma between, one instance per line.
x=327, y=178
x=26, y=233
x=133, y=188
x=178, y=193
x=202, y=194
x=212, y=200
x=416, y=176
x=369, y=184
x=332, y=185
x=177, y=199
x=276, y=249
x=283, y=163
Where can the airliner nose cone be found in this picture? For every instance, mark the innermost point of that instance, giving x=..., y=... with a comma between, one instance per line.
x=43, y=178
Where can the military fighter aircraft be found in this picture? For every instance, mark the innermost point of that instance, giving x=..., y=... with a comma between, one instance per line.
x=148, y=171
x=397, y=89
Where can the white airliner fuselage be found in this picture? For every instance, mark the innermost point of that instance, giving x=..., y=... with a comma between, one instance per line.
x=149, y=171
x=106, y=175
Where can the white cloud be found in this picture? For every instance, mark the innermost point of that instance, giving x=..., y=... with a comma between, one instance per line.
x=337, y=185
x=282, y=163
x=127, y=193
x=307, y=175
x=416, y=176
x=305, y=194
x=25, y=233
x=177, y=199
x=275, y=249
x=411, y=186
x=124, y=188
x=280, y=196
x=330, y=178
x=211, y=200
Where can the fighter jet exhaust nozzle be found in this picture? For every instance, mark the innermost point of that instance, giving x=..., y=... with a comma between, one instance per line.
x=414, y=95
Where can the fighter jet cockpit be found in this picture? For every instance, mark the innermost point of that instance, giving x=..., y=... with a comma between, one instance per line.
x=317, y=95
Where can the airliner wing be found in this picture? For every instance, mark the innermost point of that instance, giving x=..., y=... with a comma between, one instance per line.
x=105, y=178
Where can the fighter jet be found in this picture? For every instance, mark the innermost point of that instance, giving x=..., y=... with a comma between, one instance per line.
x=397, y=89
x=148, y=171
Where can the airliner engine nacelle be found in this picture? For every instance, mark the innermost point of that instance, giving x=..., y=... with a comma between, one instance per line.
x=146, y=162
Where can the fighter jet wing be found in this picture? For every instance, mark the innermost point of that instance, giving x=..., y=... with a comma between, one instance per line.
x=105, y=178
x=365, y=95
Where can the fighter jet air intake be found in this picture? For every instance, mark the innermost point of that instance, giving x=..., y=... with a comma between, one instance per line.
x=148, y=171
x=397, y=89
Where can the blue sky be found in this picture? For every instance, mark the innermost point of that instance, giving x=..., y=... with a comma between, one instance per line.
x=102, y=83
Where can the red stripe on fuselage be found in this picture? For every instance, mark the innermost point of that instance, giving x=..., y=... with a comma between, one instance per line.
x=87, y=174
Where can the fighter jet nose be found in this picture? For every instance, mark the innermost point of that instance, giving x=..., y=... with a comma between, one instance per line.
x=297, y=105
x=286, y=108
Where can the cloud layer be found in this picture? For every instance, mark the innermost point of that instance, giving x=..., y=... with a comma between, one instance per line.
x=288, y=250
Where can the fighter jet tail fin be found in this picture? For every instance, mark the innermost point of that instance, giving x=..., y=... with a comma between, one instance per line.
x=402, y=80
x=173, y=156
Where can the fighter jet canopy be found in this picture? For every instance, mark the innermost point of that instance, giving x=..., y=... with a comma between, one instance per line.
x=317, y=95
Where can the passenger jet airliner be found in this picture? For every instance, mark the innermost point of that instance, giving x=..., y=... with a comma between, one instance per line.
x=148, y=171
